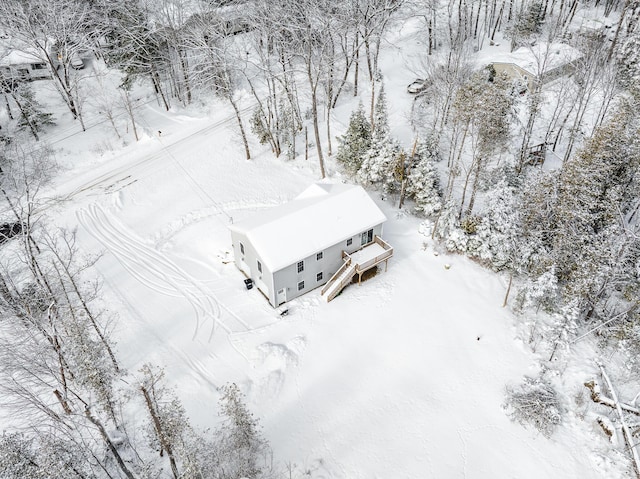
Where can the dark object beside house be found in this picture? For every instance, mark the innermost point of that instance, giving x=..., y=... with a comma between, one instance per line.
x=248, y=283
x=9, y=230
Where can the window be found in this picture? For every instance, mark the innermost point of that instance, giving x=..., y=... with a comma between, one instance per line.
x=38, y=66
x=241, y=248
x=366, y=237
x=300, y=267
x=259, y=266
x=319, y=276
x=319, y=256
x=300, y=285
x=349, y=241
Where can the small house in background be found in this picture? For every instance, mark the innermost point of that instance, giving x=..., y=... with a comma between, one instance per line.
x=326, y=236
x=22, y=66
x=542, y=62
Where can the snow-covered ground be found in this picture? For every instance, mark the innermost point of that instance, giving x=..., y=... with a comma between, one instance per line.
x=403, y=376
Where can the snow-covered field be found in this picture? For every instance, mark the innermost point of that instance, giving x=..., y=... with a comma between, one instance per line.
x=401, y=377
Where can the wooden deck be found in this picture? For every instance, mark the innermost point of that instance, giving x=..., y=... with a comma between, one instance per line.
x=357, y=263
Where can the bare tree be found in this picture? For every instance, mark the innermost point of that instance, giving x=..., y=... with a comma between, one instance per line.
x=216, y=61
x=57, y=32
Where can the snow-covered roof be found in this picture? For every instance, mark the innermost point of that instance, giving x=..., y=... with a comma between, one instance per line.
x=321, y=216
x=542, y=57
x=17, y=57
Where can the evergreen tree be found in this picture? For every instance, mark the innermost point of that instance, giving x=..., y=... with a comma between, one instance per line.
x=527, y=24
x=383, y=163
x=356, y=141
x=597, y=194
x=32, y=115
x=380, y=165
x=423, y=181
x=628, y=63
x=380, y=124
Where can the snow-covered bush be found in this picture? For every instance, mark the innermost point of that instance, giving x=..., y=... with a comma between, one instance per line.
x=459, y=237
x=541, y=292
x=534, y=403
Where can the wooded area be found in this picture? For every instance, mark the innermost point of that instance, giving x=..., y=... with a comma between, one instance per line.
x=568, y=238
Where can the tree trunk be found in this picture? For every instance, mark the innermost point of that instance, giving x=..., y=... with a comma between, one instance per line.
x=243, y=134
x=25, y=114
x=533, y=113
x=89, y=313
x=157, y=86
x=357, y=70
x=506, y=296
x=474, y=188
x=306, y=143
x=403, y=184
x=129, y=107
x=185, y=74
x=112, y=448
x=498, y=20
x=618, y=28
x=626, y=432
x=164, y=444
x=466, y=185
x=316, y=129
x=6, y=102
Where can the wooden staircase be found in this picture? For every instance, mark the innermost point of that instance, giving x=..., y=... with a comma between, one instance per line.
x=357, y=263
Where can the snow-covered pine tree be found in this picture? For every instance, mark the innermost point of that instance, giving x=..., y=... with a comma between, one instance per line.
x=32, y=114
x=628, y=62
x=380, y=164
x=380, y=117
x=423, y=182
x=259, y=127
x=384, y=159
x=526, y=24
x=595, y=194
x=356, y=141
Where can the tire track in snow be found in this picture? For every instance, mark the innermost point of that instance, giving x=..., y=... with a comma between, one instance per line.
x=156, y=271
x=205, y=376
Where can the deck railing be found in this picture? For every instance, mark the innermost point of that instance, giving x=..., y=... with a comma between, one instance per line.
x=359, y=268
x=388, y=253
